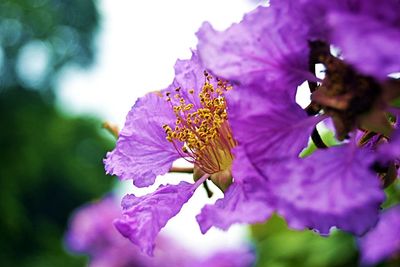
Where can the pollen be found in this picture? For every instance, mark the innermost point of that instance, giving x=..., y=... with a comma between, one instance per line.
x=202, y=126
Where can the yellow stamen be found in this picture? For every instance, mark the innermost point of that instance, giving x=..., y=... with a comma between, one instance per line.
x=203, y=129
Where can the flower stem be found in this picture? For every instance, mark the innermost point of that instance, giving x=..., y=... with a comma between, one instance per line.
x=182, y=169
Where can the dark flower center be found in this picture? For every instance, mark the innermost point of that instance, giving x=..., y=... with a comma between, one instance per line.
x=351, y=99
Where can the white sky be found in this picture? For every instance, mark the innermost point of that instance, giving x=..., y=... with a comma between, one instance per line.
x=138, y=44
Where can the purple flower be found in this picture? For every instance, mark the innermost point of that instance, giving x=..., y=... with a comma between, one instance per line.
x=383, y=241
x=272, y=51
x=143, y=152
x=187, y=120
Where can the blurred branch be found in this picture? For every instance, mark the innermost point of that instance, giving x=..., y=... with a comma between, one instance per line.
x=111, y=128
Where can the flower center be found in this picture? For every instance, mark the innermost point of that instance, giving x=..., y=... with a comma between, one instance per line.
x=351, y=99
x=346, y=95
x=203, y=126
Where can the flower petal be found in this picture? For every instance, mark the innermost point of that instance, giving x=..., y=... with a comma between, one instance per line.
x=256, y=49
x=268, y=123
x=142, y=151
x=333, y=187
x=383, y=241
x=145, y=216
x=379, y=55
x=189, y=74
x=246, y=201
x=391, y=150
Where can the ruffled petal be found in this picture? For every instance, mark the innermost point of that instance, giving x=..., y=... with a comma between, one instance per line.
x=143, y=217
x=333, y=187
x=391, y=150
x=383, y=241
x=142, y=151
x=379, y=55
x=269, y=124
x=313, y=14
x=242, y=203
x=307, y=14
x=189, y=74
x=256, y=49
x=246, y=201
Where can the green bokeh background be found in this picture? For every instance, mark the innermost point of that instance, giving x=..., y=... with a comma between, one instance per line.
x=51, y=162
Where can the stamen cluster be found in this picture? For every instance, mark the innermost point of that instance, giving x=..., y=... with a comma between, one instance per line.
x=203, y=127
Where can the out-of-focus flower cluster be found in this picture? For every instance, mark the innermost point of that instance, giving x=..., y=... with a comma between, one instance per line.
x=91, y=232
x=231, y=111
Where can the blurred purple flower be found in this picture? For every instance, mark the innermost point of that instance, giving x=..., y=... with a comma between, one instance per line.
x=383, y=241
x=231, y=258
x=91, y=232
x=87, y=224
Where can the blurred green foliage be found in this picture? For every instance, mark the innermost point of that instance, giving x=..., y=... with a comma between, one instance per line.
x=50, y=165
x=396, y=102
x=328, y=137
x=50, y=162
x=277, y=246
x=39, y=37
x=392, y=195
